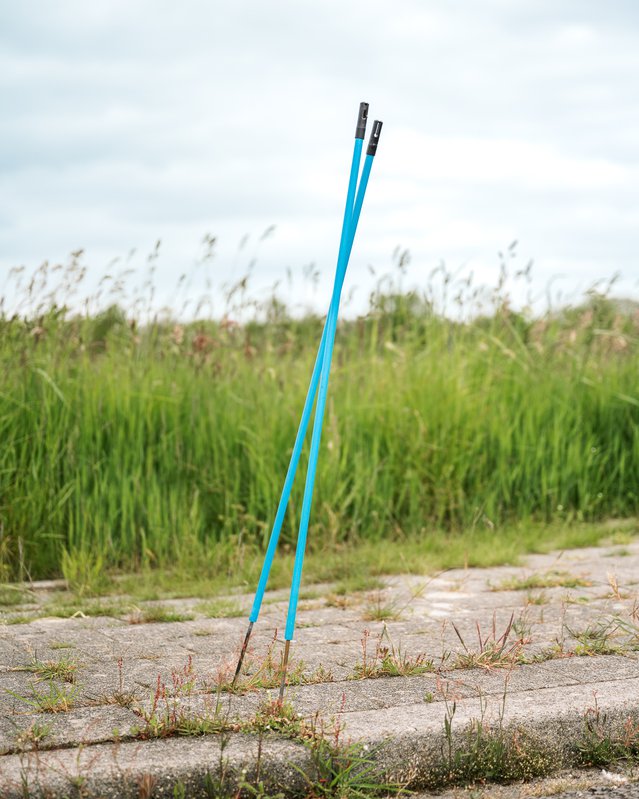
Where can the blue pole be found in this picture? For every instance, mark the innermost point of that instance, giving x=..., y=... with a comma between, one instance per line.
x=303, y=426
x=348, y=233
x=319, y=411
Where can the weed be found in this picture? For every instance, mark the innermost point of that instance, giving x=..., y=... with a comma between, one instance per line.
x=84, y=572
x=310, y=594
x=63, y=669
x=522, y=628
x=596, y=638
x=56, y=699
x=388, y=660
x=540, y=598
x=34, y=735
x=615, y=590
x=73, y=608
x=279, y=716
x=347, y=770
x=262, y=673
x=167, y=717
x=629, y=627
x=357, y=584
x=21, y=618
x=379, y=610
x=493, y=650
x=551, y=579
x=155, y=614
x=14, y=595
x=481, y=753
x=555, y=651
x=219, y=609
x=341, y=601
x=600, y=745
x=571, y=599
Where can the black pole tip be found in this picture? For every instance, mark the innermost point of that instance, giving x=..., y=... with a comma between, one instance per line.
x=374, y=138
x=360, y=130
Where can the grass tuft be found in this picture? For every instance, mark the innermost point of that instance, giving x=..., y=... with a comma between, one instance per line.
x=157, y=614
x=63, y=669
x=551, y=579
x=493, y=650
x=388, y=660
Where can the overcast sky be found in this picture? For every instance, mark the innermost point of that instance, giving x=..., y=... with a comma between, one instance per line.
x=127, y=122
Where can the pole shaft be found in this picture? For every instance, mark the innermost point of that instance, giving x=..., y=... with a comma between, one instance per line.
x=310, y=397
x=343, y=257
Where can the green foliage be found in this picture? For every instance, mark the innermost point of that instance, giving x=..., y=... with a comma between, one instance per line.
x=388, y=660
x=482, y=753
x=64, y=668
x=131, y=444
x=488, y=755
x=155, y=614
x=84, y=572
x=604, y=743
x=551, y=579
x=55, y=699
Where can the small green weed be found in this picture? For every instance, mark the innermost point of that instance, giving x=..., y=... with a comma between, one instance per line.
x=14, y=595
x=262, y=673
x=156, y=614
x=56, y=699
x=341, y=601
x=345, y=771
x=630, y=627
x=358, y=583
x=266, y=672
x=84, y=572
x=73, y=608
x=551, y=579
x=21, y=618
x=481, y=753
x=493, y=650
x=601, y=745
x=388, y=660
x=596, y=639
x=63, y=669
x=219, y=609
x=381, y=610
x=33, y=735
x=540, y=598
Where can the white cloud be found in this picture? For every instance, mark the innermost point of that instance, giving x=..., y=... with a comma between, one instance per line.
x=128, y=122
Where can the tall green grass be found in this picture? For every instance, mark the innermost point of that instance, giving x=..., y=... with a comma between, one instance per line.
x=161, y=443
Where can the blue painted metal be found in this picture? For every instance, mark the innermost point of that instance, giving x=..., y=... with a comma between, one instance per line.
x=351, y=215
x=348, y=235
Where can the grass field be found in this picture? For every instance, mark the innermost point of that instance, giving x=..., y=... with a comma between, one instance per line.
x=130, y=445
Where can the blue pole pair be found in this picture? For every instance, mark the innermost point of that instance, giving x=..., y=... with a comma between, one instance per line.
x=319, y=386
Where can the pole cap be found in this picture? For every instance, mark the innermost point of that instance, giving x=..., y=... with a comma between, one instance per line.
x=374, y=138
x=360, y=130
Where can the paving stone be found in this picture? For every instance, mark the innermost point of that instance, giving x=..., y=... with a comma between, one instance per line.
x=87, y=725
x=400, y=718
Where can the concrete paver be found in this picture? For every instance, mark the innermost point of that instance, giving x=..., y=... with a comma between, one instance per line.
x=541, y=660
